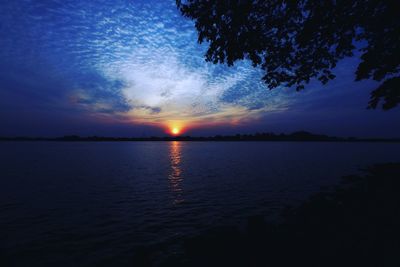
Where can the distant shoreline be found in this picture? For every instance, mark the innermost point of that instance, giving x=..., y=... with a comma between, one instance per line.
x=266, y=137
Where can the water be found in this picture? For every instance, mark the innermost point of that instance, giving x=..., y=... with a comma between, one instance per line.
x=83, y=203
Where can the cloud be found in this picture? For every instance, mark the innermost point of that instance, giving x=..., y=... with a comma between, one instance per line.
x=137, y=60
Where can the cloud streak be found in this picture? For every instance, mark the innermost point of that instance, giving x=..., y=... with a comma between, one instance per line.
x=138, y=60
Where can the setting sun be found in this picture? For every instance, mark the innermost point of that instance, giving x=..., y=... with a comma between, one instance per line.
x=175, y=130
x=174, y=127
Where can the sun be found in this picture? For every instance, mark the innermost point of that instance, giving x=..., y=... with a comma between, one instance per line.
x=175, y=130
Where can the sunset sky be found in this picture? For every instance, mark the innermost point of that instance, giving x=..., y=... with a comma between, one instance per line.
x=134, y=68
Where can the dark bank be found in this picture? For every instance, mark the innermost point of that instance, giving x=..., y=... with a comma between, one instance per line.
x=354, y=224
x=299, y=136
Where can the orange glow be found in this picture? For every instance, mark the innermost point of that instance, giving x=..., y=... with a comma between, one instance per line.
x=176, y=177
x=175, y=130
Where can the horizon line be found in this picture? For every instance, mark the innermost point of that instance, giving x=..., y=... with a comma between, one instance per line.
x=259, y=136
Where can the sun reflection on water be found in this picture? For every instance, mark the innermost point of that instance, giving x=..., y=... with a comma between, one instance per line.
x=175, y=176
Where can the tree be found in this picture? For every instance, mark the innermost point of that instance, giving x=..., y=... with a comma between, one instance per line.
x=295, y=41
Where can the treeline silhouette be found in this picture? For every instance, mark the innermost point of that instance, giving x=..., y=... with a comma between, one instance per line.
x=299, y=136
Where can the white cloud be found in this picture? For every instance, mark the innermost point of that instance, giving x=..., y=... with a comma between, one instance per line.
x=152, y=50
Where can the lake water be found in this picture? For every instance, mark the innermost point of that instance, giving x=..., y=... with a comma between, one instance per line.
x=83, y=203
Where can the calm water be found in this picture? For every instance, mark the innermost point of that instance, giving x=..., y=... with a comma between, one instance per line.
x=79, y=204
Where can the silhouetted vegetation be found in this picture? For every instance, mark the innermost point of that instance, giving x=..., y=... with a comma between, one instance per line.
x=296, y=136
x=295, y=41
x=353, y=224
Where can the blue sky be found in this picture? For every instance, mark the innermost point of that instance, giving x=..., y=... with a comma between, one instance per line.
x=134, y=68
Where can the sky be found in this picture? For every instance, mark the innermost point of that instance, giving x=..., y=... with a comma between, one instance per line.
x=134, y=68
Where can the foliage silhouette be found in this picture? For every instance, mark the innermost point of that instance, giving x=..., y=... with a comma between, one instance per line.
x=295, y=41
